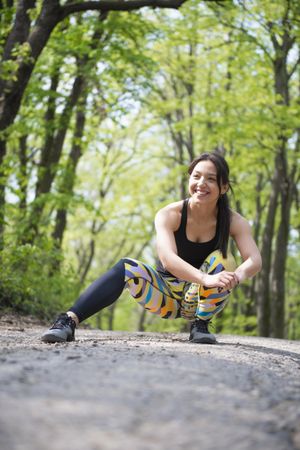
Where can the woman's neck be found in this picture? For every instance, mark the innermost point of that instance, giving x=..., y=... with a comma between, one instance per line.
x=197, y=210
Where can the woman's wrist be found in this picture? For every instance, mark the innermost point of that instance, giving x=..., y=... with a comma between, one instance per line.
x=240, y=276
x=201, y=278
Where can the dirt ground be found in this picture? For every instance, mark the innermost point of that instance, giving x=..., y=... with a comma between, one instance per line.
x=146, y=391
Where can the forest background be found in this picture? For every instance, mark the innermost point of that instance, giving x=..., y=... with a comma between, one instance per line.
x=102, y=107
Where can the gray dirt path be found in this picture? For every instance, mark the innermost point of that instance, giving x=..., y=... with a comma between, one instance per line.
x=147, y=391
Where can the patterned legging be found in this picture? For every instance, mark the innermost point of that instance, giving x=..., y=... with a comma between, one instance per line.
x=171, y=298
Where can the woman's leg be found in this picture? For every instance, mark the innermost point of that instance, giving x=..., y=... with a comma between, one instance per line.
x=201, y=302
x=101, y=293
x=211, y=301
x=150, y=289
x=157, y=294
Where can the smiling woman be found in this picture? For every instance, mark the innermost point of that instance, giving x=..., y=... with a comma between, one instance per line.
x=213, y=183
x=195, y=272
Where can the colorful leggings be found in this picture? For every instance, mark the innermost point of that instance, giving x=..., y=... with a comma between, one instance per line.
x=171, y=298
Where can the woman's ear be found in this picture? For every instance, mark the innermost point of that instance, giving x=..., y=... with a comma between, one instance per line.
x=224, y=189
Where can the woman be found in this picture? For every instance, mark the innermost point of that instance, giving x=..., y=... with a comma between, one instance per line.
x=191, y=234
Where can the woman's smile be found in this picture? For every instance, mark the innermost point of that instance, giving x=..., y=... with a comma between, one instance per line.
x=201, y=193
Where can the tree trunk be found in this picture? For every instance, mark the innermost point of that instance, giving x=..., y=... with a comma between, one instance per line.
x=23, y=176
x=262, y=285
x=69, y=177
x=252, y=304
x=67, y=184
x=142, y=319
x=288, y=187
x=2, y=192
x=12, y=90
x=285, y=186
x=111, y=316
x=279, y=264
x=279, y=186
x=84, y=269
x=49, y=159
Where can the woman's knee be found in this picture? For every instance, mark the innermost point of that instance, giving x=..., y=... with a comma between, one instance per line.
x=216, y=263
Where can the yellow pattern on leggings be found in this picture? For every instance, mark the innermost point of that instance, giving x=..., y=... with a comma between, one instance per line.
x=160, y=295
x=202, y=302
x=171, y=298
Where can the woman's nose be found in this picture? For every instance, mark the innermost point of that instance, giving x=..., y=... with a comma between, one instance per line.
x=201, y=180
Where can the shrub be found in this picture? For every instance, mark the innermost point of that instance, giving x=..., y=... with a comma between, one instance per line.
x=34, y=280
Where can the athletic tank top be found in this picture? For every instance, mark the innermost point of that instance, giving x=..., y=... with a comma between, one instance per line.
x=193, y=253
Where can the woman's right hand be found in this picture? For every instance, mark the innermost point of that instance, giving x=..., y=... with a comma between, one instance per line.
x=224, y=280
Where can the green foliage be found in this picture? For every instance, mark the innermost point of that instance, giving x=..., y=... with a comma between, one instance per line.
x=6, y=16
x=32, y=283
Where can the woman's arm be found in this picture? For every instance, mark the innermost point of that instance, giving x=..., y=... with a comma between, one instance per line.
x=167, y=221
x=240, y=231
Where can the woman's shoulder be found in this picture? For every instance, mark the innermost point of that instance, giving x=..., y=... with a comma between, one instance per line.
x=238, y=223
x=173, y=207
x=171, y=214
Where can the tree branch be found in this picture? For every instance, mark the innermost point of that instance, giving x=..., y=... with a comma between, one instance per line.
x=293, y=69
x=118, y=5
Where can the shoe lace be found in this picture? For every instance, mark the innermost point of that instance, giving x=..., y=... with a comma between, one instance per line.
x=62, y=321
x=201, y=325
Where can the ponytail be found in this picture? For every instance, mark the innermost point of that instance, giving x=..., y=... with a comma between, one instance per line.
x=223, y=221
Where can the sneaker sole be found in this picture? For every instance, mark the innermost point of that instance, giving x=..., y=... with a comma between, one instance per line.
x=52, y=338
x=203, y=340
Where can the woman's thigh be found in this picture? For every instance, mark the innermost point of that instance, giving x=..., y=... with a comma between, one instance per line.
x=157, y=294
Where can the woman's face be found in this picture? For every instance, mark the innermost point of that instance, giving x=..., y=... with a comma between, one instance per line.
x=203, y=185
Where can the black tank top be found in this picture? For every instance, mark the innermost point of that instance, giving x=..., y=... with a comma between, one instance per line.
x=193, y=253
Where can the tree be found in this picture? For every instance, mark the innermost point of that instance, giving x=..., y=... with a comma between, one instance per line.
x=26, y=33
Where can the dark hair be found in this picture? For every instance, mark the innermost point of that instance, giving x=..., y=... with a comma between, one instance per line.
x=224, y=215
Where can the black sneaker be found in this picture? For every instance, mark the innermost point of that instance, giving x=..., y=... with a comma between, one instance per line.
x=62, y=330
x=200, y=334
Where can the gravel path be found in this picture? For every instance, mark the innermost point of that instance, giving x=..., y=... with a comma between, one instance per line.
x=147, y=391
